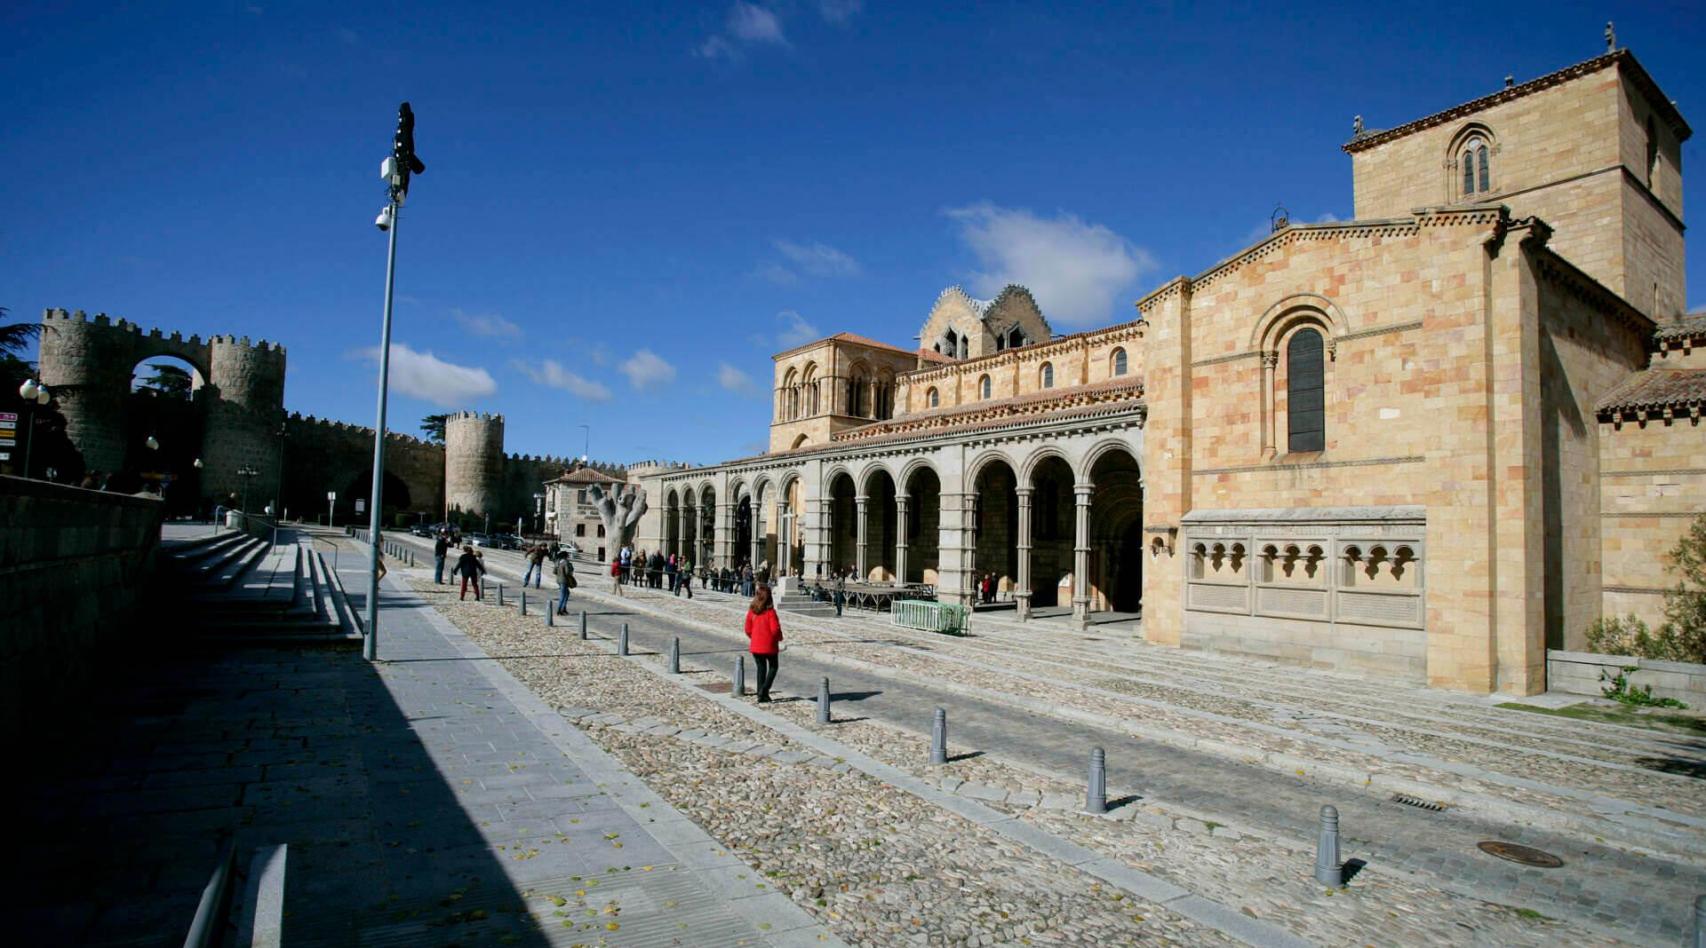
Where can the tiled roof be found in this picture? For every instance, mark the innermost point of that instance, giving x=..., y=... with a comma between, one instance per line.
x=1688, y=326
x=1657, y=389
x=1637, y=74
x=586, y=475
x=931, y=355
x=866, y=341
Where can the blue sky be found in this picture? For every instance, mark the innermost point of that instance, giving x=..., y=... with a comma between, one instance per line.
x=628, y=207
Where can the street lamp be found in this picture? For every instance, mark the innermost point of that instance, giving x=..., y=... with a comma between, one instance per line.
x=247, y=473
x=586, y=444
x=34, y=393
x=152, y=443
x=395, y=170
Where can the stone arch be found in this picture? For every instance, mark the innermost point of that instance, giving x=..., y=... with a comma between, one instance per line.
x=1028, y=468
x=978, y=463
x=791, y=530
x=800, y=442
x=922, y=485
x=1293, y=310
x=840, y=495
x=993, y=483
x=881, y=533
x=1099, y=449
x=1113, y=471
x=1472, y=133
x=869, y=472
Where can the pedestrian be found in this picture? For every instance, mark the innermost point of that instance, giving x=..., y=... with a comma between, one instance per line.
x=440, y=548
x=840, y=593
x=565, y=573
x=616, y=577
x=684, y=577
x=625, y=558
x=764, y=632
x=669, y=574
x=535, y=565
x=470, y=567
x=746, y=580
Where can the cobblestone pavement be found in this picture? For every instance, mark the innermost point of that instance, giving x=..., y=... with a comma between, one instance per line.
x=1614, y=893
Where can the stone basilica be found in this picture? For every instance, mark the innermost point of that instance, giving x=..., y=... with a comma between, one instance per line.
x=1425, y=444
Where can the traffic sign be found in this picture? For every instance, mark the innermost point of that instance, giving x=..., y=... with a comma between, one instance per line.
x=360, y=506
x=10, y=416
x=8, y=442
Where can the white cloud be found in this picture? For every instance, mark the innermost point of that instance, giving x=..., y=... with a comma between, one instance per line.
x=839, y=11
x=818, y=259
x=644, y=368
x=428, y=377
x=747, y=24
x=488, y=325
x=795, y=331
x=1075, y=269
x=551, y=372
x=777, y=274
x=735, y=380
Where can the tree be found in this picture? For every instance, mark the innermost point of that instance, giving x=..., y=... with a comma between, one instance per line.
x=15, y=338
x=433, y=427
x=169, y=381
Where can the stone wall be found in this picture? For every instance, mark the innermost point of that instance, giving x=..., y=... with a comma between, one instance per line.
x=322, y=455
x=1578, y=673
x=74, y=566
x=474, y=463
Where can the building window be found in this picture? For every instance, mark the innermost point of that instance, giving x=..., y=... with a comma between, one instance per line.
x=983, y=387
x=601, y=531
x=933, y=398
x=1048, y=375
x=580, y=529
x=580, y=496
x=1477, y=177
x=1117, y=362
x=1305, y=400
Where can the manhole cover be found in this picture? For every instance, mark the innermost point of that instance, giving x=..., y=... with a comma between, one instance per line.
x=1526, y=855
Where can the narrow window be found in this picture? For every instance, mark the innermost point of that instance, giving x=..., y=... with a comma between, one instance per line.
x=983, y=387
x=933, y=399
x=1468, y=173
x=963, y=347
x=1481, y=163
x=1048, y=375
x=1119, y=365
x=1305, y=410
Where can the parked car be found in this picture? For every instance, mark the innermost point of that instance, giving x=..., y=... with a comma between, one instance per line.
x=480, y=539
x=421, y=530
x=507, y=541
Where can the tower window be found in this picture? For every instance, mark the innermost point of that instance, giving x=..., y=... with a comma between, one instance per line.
x=934, y=398
x=1048, y=375
x=1305, y=397
x=983, y=387
x=1117, y=364
x=1477, y=173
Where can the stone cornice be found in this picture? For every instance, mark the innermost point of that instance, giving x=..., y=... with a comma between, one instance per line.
x=1471, y=215
x=1045, y=403
x=1621, y=57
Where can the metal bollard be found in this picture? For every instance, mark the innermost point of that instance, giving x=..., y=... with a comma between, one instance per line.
x=583, y=623
x=675, y=655
x=550, y=615
x=622, y=640
x=1328, y=869
x=500, y=594
x=524, y=602
x=739, y=689
x=823, y=701
x=1096, y=796
x=939, y=737
x=1700, y=921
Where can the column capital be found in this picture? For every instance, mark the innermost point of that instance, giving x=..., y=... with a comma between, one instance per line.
x=1083, y=492
x=1024, y=492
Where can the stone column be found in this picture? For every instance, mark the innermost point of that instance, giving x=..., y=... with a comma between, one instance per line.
x=956, y=542
x=901, y=502
x=1270, y=364
x=817, y=537
x=723, y=549
x=1022, y=594
x=1081, y=555
x=861, y=551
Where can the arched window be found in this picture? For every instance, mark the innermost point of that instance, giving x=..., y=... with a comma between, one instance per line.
x=983, y=387
x=932, y=398
x=1305, y=397
x=1474, y=161
x=1047, y=375
x=1117, y=363
x=1016, y=338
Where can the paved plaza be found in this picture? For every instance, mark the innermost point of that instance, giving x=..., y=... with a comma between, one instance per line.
x=1216, y=762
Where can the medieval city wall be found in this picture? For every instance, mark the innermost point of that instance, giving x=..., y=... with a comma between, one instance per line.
x=322, y=455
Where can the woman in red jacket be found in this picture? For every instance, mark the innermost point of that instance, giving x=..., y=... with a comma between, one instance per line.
x=765, y=633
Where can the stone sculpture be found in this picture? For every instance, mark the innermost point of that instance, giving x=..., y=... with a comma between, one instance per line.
x=621, y=508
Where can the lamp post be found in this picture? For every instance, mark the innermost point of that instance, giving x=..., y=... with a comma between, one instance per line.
x=34, y=393
x=586, y=442
x=395, y=170
x=247, y=473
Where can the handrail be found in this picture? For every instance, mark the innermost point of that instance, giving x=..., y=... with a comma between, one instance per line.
x=210, y=912
x=314, y=539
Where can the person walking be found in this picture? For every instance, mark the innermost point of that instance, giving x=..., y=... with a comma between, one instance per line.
x=764, y=633
x=440, y=548
x=470, y=567
x=684, y=577
x=616, y=577
x=565, y=573
x=840, y=593
x=535, y=565
x=669, y=567
x=746, y=580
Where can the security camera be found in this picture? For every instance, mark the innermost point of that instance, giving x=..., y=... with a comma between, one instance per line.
x=383, y=221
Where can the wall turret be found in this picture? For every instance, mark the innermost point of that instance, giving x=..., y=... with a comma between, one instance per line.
x=474, y=462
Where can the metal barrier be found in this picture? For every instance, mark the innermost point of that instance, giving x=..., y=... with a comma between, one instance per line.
x=930, y=616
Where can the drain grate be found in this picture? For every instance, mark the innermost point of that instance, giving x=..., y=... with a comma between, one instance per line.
x=1417, y=802
x=1517, y=853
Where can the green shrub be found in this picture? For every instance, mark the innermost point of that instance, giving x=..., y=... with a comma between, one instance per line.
x=1682, y=636
x=1619, y=691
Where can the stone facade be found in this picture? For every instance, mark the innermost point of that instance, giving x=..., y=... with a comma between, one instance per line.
x=572, y=515
x=1381, y=446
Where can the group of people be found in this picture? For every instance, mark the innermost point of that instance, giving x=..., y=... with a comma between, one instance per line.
x=987, y=587
x=470, y=566
x=656, y=571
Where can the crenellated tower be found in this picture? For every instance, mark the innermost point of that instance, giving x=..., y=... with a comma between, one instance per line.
x=474, y=462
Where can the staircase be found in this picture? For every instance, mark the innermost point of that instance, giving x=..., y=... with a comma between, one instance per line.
x=801, y=603
x=242, y=590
